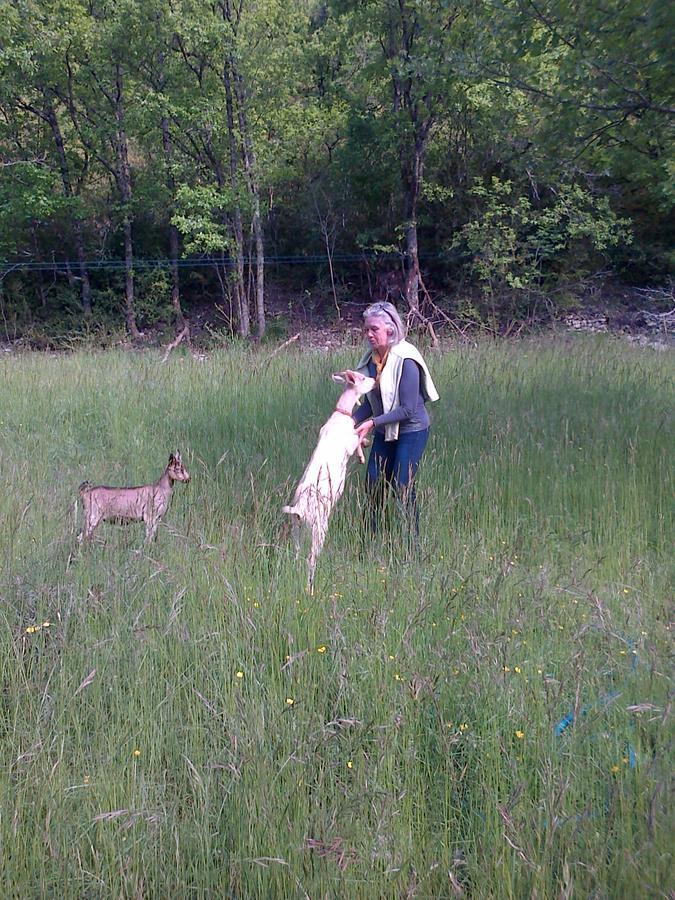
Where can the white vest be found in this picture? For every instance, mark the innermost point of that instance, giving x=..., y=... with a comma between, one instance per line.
x=390, y=378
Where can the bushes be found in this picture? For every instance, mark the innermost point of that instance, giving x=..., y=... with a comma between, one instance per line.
x=516, y=249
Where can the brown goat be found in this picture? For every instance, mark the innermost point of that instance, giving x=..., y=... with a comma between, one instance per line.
x=147, y=503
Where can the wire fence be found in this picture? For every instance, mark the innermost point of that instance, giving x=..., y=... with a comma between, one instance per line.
x=70, y=265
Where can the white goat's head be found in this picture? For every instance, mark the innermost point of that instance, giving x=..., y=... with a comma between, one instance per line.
x=362, y=384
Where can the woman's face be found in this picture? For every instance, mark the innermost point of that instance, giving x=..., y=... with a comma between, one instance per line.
x=378, y=333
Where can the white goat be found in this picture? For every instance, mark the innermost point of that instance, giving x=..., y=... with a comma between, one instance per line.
x=323, y=480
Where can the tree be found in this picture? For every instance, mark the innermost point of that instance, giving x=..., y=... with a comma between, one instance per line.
x=32, y=76
x=95, y=95
x=408, y=74
x=601, y=80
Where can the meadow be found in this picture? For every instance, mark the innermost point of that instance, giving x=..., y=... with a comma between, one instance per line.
x=486, y=714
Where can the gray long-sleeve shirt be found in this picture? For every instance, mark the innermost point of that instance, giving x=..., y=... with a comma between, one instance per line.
x=411, y=413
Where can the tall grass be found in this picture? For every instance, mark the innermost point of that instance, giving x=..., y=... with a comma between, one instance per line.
x=485, y=715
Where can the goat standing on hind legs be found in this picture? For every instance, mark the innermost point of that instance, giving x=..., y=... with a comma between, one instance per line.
x=323, y=480
x=147, y=503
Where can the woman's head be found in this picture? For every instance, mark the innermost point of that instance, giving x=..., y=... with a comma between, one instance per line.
x=383, y=325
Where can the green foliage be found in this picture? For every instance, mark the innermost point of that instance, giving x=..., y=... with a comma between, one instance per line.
x=29, y=199
x=200, y=219
x=515, y=245
x=154, y=297
x=359, y=118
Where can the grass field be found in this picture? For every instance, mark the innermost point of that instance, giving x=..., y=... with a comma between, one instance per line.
x=486, y=716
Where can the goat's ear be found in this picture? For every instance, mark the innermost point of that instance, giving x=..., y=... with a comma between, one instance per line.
x=346, y=377
x=172, y=458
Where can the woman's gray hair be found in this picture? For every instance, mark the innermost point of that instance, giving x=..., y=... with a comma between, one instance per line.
x=388, y=313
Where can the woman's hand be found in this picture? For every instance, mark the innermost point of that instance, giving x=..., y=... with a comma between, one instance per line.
x=364, y=428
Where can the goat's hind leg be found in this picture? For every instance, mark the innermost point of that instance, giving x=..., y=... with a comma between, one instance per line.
x=90, y=522
x=292, y=528
x=318, y=537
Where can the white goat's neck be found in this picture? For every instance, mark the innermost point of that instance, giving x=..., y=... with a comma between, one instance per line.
x=347, y=401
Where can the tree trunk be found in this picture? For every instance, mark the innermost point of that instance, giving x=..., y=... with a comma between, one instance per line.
x=239, y=285
x=403, y=31
x=174, y=250
x=40, y=277
x=174, y=238
x=85, y=285
x=82, y=268
x=412, y=181
x=250, y=166
x=123, y=178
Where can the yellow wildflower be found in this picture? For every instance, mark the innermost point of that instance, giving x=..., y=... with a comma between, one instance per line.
x=290, y=701
x=321, y=649
x=520, y=735
x=350, y=764
x=518, y=669
x=137, y=753
x=614, y=769
x=240, y=674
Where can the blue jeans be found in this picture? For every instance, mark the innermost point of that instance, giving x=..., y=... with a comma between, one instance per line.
x=392, y=465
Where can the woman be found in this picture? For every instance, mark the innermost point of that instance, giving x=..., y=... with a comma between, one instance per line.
x=395, y=410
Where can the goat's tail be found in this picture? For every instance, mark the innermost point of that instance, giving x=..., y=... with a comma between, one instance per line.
x=84, y=487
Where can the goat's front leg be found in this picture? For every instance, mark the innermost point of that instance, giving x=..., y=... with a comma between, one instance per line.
x=363, y=442
x=151, y=530
x=296, y=531
x=88, y=529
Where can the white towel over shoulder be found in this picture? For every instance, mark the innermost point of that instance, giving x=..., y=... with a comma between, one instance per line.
x=390, y=379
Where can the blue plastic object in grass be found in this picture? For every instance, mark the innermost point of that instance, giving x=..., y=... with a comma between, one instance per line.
x=568, y=720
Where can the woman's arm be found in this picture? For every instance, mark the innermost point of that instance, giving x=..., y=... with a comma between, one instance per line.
x=363, y=412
